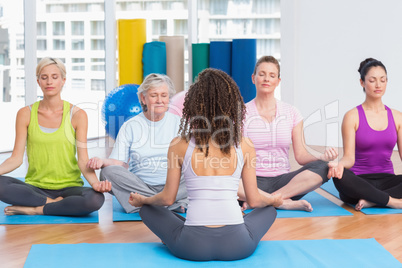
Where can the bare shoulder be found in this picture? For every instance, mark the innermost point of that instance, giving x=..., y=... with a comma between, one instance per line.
x=247, y=146
x=246, y=143
x=79, y=117
x=397, y=116
x=179, y=146
x=24, y=111
x=352, y=113
x=78, y=114
x=77, y=111
x=24, y=114
x=351, y=116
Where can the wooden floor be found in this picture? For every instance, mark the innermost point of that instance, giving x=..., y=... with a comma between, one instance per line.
x=16, y=240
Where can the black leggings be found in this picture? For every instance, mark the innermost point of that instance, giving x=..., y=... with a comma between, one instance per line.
x=376, y=188
x=201, y=243
x=77, y=201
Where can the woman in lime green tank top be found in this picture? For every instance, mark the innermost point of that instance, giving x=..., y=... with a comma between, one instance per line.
x=54, y=132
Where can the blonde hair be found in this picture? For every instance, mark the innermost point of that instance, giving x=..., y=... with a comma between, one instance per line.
x=48, y=61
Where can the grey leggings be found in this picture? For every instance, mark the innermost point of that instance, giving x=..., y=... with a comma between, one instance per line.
x=77, y=201
x=201, y=243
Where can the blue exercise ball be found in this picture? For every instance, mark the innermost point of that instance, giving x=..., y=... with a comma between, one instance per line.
x=120, y=105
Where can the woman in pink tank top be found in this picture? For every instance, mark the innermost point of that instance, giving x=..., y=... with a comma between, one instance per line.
x=273, y=126
x=365, y=174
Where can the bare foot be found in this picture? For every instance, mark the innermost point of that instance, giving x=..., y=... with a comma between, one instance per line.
x=20, y=210
x=180, y=209
x=277, y=200
x=289, y=204
x=245, y=206
x=394, y=203
x=363, y=204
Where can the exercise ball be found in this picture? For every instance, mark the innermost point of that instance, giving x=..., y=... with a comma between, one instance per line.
x=120, y=105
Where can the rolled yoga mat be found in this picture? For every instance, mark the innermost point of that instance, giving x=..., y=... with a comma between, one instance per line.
x=200, y=58
x=131, y=40
x=175, y=60
x=220, y=56
x=154, y=58
x=244, y=57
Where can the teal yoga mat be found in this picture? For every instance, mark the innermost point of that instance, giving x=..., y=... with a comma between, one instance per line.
x=292, y=253
x=42, y=219
x=154, y=58
x=322, y=207
x=200, y=58
x=330, y=188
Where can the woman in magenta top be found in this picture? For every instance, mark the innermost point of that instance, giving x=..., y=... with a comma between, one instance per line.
x=365, y=174
x=272, y=126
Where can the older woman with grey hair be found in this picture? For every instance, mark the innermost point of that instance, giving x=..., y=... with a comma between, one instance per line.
x=138, y=162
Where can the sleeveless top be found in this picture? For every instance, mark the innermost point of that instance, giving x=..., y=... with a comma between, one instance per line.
x=374, y=148
x=212, y=199
x=51, y=156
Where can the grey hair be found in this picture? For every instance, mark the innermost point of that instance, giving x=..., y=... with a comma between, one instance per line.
x=152, y=81
x=48, y=61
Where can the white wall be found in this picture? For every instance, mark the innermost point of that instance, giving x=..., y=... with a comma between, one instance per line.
x=322, y=45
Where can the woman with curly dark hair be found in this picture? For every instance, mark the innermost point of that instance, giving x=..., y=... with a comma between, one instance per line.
x=213, y=156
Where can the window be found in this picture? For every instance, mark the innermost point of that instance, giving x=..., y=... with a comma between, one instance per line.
x=219, y=7
x=59, y=44
x=77, y=44
x=98, y=85
x=56, y=8
x=98, y=64
x=78, y=64
x=77, y=28
x=58, y=28
x=97, y=27
x=41, y=44
x=20, y=44
x=95, y=7
x=77, y=8
x=41, y=28
x=230, y=19
x=218, y=27
x=78, y=84
x=159, y=27
x=180, y=27
x=98, y=44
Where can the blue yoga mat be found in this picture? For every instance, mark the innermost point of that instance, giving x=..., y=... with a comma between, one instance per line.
x=220, y=56
x=42, y=219
x=322, y=207
x=119, y=214
x=154, y=58
x=330, y=188
x=292, y=253
x=244, y=57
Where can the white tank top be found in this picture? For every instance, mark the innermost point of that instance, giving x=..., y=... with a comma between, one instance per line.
x=212, y=199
